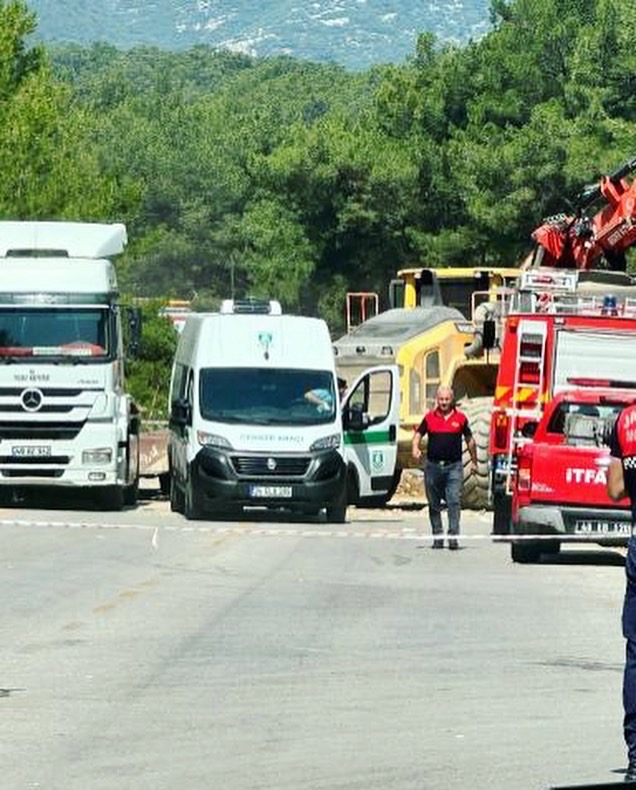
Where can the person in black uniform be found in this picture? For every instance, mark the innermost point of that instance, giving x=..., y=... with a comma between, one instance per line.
x=445, y=426
x=621, y=482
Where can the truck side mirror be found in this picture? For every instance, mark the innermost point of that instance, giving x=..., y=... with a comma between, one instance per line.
x=133, y=316
x=489, y=333
x=180, y=413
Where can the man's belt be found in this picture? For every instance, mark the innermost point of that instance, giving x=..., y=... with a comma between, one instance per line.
x=443, y=463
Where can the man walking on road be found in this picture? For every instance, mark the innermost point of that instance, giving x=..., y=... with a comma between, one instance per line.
x=621, y=482
x=443, y=471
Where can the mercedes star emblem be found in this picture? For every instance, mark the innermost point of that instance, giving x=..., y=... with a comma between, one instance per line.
x=31, y=399
x=271, y=464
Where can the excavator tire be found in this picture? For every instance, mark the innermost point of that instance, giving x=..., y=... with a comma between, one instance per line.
x=476, y=487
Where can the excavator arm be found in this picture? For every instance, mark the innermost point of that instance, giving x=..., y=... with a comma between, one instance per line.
x=580, y=241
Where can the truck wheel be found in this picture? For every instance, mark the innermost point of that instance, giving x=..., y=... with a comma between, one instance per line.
x=476, y=487
x=164, y=483
x=111, y=498
x=525, y=552
x=337, y=510
x=502, y=514
x=131, y=493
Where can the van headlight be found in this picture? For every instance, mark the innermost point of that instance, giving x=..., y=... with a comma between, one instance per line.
x=327, y=443
x=213, y=440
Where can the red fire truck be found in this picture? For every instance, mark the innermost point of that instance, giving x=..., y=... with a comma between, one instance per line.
x=564, y=328
x=559, y=490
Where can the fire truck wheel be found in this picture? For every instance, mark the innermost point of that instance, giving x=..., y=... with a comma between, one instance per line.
x=476, y=487
x=525, y=552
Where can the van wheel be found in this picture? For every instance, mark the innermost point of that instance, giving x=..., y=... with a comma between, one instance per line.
x=337, y=511
x=176, y=497
x=525, y=552
x=191, y=502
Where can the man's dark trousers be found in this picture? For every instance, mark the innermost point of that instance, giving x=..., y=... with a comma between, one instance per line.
x=443, y=482
x=629, y=632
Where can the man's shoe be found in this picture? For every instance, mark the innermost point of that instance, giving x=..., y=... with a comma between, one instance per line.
x=630, y=773
x=438, y=544
x=453, y=545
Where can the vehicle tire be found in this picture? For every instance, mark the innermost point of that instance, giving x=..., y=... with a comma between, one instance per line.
x=526, y=552
x=111, y=498
x=131, y=493
x=337, y=510
x=164, y=483
x=502, y=514
x=192, y=509
x=476, y=487
x=176, y=497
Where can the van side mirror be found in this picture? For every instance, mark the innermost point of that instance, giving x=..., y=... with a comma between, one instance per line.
x=489, y=333
x=181, y=413
x=354, y=418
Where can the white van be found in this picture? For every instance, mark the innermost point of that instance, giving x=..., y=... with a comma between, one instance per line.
x=255, y=417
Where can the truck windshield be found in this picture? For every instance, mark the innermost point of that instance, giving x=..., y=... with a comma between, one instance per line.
x=81, y=334
x=267, y=396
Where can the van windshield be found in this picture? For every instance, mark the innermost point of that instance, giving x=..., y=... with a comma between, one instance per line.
x=267, y=396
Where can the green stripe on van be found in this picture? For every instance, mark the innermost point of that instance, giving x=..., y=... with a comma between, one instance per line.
x=368, y=437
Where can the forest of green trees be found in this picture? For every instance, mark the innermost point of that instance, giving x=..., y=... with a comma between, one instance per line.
x=300, y=181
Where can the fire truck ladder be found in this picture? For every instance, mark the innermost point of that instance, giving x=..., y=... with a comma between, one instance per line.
x=528, y=386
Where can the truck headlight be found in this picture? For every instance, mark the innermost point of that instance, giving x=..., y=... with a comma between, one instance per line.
x=327, y=443
x=100, y=455
x=213, y=440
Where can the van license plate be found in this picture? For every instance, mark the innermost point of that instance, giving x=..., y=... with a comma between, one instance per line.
x=265, y=492
x=32, y=451
x=600, y=527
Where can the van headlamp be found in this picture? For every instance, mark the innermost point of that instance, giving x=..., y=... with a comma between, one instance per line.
x=213, y=440
x=327, y=443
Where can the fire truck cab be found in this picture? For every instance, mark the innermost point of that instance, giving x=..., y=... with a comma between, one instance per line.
x=563, y=329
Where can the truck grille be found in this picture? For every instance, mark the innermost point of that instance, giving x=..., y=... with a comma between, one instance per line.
x=39, y=430
x=47, y=460
x=261, y=466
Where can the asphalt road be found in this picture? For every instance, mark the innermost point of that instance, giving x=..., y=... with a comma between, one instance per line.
x=144, y=651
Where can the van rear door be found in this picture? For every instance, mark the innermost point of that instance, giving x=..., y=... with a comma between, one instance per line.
x=371, y=413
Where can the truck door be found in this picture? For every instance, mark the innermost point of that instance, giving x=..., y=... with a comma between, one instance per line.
x=371, y=413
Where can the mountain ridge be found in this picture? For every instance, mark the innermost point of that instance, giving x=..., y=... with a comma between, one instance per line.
x=356, y=34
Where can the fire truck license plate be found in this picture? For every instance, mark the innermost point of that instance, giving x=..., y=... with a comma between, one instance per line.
x=283, y=492
x=32, y=451
x=596, y=527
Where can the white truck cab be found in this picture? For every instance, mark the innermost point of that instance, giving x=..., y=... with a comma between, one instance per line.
x=65, y=418
x=256, y=419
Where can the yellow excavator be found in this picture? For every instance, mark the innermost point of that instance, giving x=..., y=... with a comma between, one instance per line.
x=442, y=327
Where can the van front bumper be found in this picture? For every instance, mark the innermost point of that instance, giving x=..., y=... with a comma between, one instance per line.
x=297, y=482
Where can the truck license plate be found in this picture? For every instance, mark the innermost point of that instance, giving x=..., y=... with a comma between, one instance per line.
x=31, y=451
x=600, y=527
x=275, y=492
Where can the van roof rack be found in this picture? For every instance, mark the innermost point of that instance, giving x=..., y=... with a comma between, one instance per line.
x=251, y=306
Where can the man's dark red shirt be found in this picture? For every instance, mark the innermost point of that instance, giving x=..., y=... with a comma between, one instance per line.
x=444, y=434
